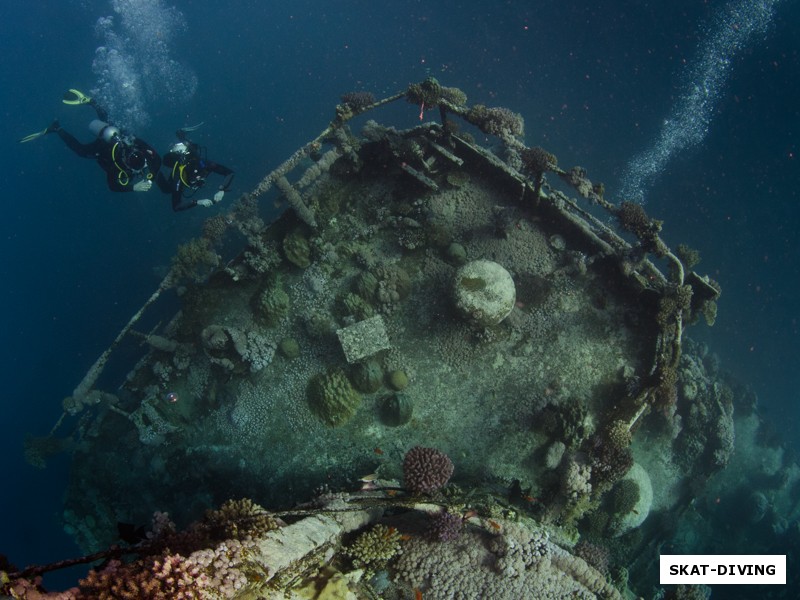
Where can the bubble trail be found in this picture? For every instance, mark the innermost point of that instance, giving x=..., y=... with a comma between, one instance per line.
x=702, y=84
x=134, y=63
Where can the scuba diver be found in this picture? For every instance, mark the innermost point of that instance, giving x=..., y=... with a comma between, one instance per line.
x=130, y=163
x=188, y=171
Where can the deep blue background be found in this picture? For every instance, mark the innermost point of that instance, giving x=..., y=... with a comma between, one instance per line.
x=594, y=84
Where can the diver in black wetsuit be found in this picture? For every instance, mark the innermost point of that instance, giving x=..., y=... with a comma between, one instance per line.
x=188, y=172
x=129, y=163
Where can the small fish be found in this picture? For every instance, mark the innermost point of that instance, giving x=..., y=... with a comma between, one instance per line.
x=417, y=594
x=370, y=477
x=378, y=451
x=494, y=524
x=529, y=498
x=421, y=116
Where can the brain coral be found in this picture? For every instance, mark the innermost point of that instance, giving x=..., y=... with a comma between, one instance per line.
x=332, y=398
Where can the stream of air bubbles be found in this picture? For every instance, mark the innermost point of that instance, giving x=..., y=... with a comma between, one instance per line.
x=702, y=85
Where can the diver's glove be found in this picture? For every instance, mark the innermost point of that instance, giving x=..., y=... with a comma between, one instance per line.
x=218, y=196
x=142, y=186
x=205, y=203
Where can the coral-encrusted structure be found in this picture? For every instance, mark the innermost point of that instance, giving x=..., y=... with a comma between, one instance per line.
x=559, y=377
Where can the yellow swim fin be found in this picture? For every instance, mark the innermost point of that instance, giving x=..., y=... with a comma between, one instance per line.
x=33, y=136
x=53, y=127
x=73, y=96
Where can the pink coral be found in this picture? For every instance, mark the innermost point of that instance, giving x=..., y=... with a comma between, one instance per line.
x=425, y=470
x=27, y=590
x=444, y=527
x=170, y=576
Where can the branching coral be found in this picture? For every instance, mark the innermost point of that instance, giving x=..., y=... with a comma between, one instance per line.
x=427, y=94
x=425, y=470
x=214, y=228
x=358, y=101
x=169, y=577
x=375, y=547
x=610, y=458
x=537, y=161
x=454, y=96
x=353, y=103
x=498, y=121
x=444, y=526
x=239, y=519
x=194, y=259
x=632, y=217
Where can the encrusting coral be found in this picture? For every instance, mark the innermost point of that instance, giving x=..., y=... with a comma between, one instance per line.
x=513, y=563
x=426, y=94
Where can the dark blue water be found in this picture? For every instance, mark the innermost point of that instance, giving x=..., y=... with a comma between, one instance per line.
x=593, y=83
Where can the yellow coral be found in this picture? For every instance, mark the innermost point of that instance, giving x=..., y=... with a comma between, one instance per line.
x=375, y=547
